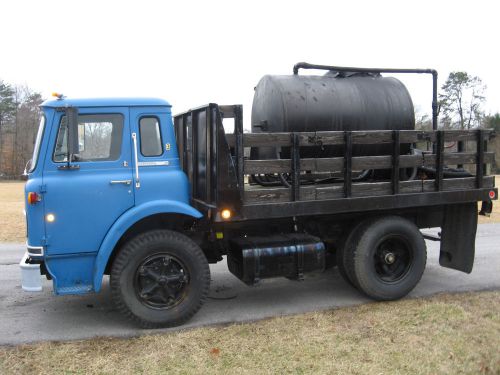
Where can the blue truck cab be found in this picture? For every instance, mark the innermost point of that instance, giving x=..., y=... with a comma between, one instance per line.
x=120, y=187
x=126, y=170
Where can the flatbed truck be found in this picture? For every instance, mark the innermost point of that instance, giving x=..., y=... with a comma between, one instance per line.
x=118, y=187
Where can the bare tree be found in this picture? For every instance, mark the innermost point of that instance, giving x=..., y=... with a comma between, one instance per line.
x=27, y=120
x=461, y=99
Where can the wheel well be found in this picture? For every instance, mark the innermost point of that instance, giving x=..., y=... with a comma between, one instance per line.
x=172, y=221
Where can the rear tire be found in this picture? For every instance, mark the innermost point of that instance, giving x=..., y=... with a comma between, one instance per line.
x=343, y=258
x=160, y=279
x=387, y=258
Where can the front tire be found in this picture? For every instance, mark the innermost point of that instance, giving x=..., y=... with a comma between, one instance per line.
x=388, y=258
x=160, y=279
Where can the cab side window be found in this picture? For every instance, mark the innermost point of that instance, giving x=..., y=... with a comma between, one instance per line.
x=149, y=130
x=99, y=138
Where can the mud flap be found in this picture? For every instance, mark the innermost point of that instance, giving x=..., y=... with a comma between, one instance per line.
x=458, y=236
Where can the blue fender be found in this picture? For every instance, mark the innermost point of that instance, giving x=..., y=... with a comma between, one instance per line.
x=128, y=219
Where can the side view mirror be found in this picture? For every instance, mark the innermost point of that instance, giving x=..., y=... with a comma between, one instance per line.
x=72, y=118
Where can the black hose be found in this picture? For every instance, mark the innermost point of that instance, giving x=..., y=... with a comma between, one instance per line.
x=283, y=180
x=447, y=172
x=258, y=180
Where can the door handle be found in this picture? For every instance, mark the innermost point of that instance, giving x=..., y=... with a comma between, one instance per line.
x=137, y=180
x=125, y=182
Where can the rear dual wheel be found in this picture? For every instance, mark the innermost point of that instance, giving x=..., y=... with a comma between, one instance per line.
x=160, y=279
x=384, y=257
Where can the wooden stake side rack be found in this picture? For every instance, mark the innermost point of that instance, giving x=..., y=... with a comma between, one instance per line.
x=204, y=146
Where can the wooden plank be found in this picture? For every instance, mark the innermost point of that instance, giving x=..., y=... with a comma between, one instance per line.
x=266, y=139
x=372, y=137
x=410, y=136
x=367, y=189
x=329, y=192
x=278, y=194
x=409, y=187
x=453, y=184
x=452, y=135
x=359, y=189
x=267, y=195
x=267, y=166
x=385, y=162
x=459, y=135
x=360, y=163
x=321, y=138
x=322, y=164
x=371, y=189
x=359, y=137
x=326, y=138
x=284, y=165
x=372, y=162
x=459, y=158
x=331, y=164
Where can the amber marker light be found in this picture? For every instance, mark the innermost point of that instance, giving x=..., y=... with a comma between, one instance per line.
x=50, y=218
x=57, y=95
x=225, y=214
x=33, y=198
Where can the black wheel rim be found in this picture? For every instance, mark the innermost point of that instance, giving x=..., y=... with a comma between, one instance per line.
x=393, y=258
x=161, y=281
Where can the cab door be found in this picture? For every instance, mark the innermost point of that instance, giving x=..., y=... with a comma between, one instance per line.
x=160, y=176
x=82, y=202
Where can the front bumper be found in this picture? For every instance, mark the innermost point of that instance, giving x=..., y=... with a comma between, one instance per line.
x=30, y=275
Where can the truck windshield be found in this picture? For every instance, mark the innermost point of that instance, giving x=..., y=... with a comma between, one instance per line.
x=36, y=150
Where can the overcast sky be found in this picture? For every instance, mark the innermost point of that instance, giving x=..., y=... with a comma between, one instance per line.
x=195, y=52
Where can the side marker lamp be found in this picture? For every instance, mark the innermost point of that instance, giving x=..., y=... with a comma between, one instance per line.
x=34, y=198
x=50, y=218
x=225, y=214
x=57, y=95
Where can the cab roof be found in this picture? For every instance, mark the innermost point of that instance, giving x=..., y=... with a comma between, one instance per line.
x=105, y=102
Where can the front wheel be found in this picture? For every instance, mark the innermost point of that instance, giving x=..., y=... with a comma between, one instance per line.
x=160, y=279
x=388, y=258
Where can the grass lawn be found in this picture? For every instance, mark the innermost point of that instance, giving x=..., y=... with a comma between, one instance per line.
x=444, y=334
x=12, y=222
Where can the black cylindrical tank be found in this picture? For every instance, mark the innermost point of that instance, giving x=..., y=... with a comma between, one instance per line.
x=346, y=101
